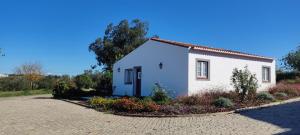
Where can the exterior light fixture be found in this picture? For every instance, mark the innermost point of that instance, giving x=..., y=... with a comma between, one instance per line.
x=160, y=65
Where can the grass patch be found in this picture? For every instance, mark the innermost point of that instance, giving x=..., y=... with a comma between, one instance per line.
x=24, y=93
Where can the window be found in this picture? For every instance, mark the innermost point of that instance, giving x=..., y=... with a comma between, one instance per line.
x=202, y=69
x=266, y=76
x=128, y=76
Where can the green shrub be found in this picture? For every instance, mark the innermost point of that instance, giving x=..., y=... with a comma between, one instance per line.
x=47, y=82
x=281, y=95
x=159, y=95
x=14, y=83
x=244, y=82
x=103, y=83
x=223, y=102
x=149, y=106
x=83, y=81
x=265, y=96
x=65, y=88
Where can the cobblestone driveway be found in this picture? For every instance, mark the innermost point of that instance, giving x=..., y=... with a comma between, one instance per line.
x=39, y=115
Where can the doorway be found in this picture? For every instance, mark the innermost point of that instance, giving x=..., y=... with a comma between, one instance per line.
x=137, y=81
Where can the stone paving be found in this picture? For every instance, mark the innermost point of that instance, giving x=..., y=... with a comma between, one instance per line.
x=41, y=115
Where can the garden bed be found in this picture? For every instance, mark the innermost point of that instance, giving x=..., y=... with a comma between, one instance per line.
x=213, y=102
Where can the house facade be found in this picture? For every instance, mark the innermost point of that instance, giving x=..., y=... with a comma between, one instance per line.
x=185, y=69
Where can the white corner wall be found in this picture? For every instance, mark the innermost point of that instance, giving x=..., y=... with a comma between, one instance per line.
x=221, y=67
x=173, y=76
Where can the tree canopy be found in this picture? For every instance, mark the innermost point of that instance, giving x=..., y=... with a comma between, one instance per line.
x=292, y=60
x=118, y=41
x=32, y=71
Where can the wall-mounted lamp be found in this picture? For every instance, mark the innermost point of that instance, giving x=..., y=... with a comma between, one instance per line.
x=160, y=65
x=119, y=69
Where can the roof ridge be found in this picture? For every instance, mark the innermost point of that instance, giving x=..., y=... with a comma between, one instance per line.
x=211, y=49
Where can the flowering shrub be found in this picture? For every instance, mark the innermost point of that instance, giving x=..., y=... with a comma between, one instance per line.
x=150, y=107
x=127, y=105
x=102, y=103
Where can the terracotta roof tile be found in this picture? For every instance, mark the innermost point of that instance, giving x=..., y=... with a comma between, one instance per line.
x=210, y=49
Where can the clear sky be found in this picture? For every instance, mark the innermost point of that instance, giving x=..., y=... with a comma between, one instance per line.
x=57, y=33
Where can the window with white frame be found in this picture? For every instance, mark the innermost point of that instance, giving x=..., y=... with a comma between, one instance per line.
x=202, y=69
x=128, y=77
x=266, y=76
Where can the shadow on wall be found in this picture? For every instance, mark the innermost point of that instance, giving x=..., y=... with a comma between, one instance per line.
x=285, y=116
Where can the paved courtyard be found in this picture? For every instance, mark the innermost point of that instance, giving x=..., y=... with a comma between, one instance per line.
x=41, y=115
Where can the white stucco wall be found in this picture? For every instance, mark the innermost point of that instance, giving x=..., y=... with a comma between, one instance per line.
x=221, y=67
x=173, y=76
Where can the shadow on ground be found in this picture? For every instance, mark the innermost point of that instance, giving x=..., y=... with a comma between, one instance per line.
x=43, y=97
x=286, y=116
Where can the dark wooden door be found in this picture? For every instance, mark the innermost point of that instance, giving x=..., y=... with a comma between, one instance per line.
x=138, y=81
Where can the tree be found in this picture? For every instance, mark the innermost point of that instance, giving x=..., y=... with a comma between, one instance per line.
x=32, y=72
x=83, y=81
x=292, y=60
x=118, y=41
x=244, y=82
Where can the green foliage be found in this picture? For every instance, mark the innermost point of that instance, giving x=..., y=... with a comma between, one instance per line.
x=292, y=60
x=244, y=83
x=290, y=77
x=129, y=105
x=83, y=81
x=103, y=84
x=265, y=96
x=160, y=95
x=65, y=88
x=223, y=102
x=24, y=93
x=281, y=95
x=47, y=82
x=118, y=41
x=14, y=83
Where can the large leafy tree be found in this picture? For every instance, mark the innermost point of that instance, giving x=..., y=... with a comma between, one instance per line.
x=292, y=60
x=118, y=41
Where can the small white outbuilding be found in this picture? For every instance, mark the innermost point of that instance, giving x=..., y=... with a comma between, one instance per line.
x=185, y=69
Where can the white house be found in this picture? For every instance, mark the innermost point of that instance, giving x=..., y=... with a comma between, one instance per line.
x=185, y=69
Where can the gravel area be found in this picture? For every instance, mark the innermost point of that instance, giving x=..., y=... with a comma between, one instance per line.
x=36, y=115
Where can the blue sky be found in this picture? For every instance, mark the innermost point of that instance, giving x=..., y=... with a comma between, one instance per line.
x=56, y=33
